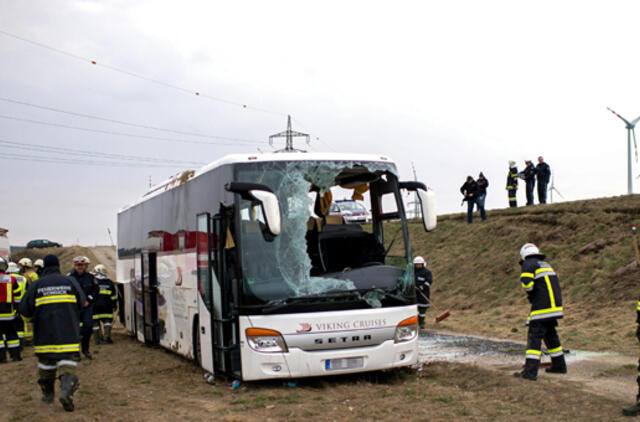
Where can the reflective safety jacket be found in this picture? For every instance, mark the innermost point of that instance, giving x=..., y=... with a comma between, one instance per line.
x=424, y=279
x=543, y=289
x=107, y=298
x=9, y=290
x=512, y=178
x=638, y=313
x=22, y=282
x=54, y=303
x=30, y=275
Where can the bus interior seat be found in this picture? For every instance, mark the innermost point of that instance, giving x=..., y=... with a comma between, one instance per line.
x=347, y=246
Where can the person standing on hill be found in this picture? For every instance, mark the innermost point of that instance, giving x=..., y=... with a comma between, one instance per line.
x=543, y=174
x=105, y=305
x=470, y=192
x=529, y=176
x=543, y=291
x=512, y=184
x=54, y=303
x=91, y=290
x=483, y=184
x=634, y=409
x=423, y=280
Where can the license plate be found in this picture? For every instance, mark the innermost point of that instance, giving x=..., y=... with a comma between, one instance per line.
x=346, y=363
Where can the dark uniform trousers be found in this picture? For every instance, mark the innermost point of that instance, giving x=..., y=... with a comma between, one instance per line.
x=540, y=330
x=513, y=202
x=86, y=327
x=8, y=339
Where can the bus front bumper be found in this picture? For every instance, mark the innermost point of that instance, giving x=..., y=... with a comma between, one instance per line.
x=298, y=363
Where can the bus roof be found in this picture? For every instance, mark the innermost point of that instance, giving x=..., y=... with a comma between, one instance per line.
x=187, y=175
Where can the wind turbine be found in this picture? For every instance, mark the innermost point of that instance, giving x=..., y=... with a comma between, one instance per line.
x=552, y=188
x=631, y=129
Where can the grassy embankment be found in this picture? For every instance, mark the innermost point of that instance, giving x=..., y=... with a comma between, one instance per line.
x=588, y=243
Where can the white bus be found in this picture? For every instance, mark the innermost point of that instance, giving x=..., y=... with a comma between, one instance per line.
x=240, y=266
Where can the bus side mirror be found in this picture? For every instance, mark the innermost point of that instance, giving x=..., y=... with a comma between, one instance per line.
x=427, y=199
x=270, y=209
x=265, y=197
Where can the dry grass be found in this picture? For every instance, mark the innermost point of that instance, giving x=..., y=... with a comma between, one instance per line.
x=588, y=243
x=131, y=382
x=65, y=255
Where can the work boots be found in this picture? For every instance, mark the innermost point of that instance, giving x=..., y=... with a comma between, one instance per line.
x=68, y=384
x=530, y=371
x=48, y=389
x=633, y=410
x=421, y=321
x=558, y=366
x=97, y=337
x=107, y=334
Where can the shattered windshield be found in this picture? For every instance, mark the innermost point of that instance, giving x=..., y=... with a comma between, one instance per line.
x=318, y=253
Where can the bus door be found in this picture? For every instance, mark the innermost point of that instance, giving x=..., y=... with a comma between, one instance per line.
x=150, y=299
x=203, y=333
x=138, y=308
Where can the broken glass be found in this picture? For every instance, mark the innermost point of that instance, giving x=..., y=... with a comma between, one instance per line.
x=281, y=268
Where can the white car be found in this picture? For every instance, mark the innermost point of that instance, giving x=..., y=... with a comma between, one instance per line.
x=352, y=211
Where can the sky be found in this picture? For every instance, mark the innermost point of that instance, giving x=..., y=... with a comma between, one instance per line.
x=454, y=87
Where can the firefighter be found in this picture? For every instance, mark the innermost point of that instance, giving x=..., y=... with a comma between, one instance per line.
x=512, y=184
x=19, y=321
x=529, y=176
x=91, y=290
x=543, y=174
x=634, y=409
x=54, y=302
x=26, y=270
x=9, y=290
x=543, y=290
x=105, y=305
x=38, y=266
x=423, y=280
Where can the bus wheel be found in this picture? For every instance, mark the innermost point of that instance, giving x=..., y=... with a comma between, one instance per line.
x=196, y=342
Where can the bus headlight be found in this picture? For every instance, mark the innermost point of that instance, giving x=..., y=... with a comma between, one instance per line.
x=264, y=340
x=406, y=330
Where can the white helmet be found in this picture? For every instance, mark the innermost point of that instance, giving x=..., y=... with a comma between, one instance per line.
x=13, y=268
x=26, y=262
x=39, y=263
x=419, y=260
x=100, y=269
x=3, y=264
x=528, y=249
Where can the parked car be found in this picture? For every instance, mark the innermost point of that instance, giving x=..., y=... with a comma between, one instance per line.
x=42, y=243
x=352, y=211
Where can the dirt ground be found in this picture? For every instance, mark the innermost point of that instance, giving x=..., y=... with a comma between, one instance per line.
x=127, y=381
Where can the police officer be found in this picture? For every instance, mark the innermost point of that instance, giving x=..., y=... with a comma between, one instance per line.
x=54, y=302
x=423, y=280
x=543, y=290
x=9, y=289
x=91, y=290
x=19, y=321
x=105, y=305
x=543, y=174
x=512, y=184
x=529, y=176
x=634, y=409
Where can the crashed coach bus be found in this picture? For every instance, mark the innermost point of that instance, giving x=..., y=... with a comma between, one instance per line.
x=240, y=267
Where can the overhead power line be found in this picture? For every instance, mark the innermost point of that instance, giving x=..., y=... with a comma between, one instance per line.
x=130, y=135
x=94, y=154
x=30, y=158
x=120, y=122
x=139, y=76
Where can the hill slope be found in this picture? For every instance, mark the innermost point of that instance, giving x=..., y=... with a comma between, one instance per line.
x=588, y=243
x=98, y=255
